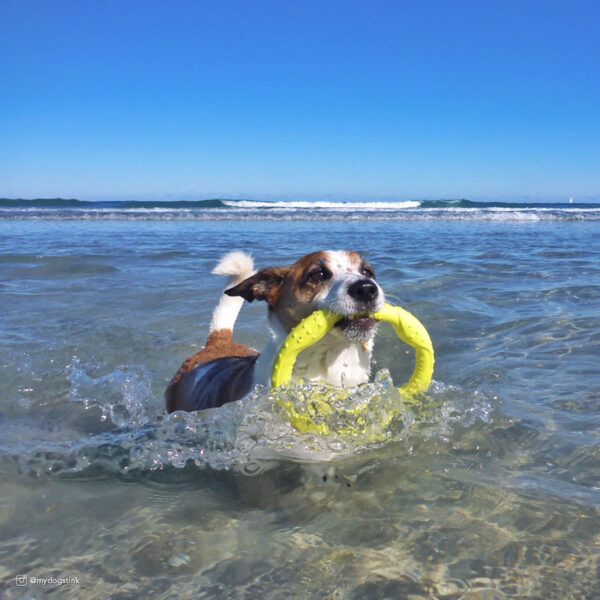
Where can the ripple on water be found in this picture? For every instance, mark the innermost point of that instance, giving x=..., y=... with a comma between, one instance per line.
x=57, y=267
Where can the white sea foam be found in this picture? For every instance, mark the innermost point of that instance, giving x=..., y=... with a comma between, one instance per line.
x=330, y=205
x=248, y=210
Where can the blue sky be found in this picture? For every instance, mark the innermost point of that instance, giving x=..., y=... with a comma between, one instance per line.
x=195, y=99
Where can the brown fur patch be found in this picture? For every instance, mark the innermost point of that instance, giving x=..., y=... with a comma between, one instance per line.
x=297, y=295
x=264, y=285
x=356, y=260
x=220, y=344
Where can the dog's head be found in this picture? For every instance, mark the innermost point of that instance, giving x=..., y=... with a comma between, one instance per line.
x=339, y=280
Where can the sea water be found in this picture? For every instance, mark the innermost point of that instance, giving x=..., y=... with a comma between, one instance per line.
x=489, y=487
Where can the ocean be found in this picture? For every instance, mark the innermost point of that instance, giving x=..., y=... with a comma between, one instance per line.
x=487, y=488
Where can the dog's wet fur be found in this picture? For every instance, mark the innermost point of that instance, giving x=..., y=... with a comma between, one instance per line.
x=340, y=280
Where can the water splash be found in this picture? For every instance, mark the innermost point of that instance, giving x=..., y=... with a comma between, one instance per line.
x=124, y=395
x=248, y=436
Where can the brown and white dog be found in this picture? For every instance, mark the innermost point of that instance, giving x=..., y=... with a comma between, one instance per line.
x=339, y=280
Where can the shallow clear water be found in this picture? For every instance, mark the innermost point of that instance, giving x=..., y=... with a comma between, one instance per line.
x=488, y=489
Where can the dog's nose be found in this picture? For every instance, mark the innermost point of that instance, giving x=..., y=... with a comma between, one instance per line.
x=363, y=290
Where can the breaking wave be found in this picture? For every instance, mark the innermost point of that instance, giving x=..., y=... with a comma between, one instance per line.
x=255, y=210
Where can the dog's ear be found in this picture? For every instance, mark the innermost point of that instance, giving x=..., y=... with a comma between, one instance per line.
x=264, y=285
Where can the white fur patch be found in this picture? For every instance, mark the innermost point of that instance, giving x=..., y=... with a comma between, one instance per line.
x=238, y=266
x=345, y=273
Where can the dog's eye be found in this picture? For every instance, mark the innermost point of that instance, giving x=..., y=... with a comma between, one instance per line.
x=318, y=276
x=368, y=273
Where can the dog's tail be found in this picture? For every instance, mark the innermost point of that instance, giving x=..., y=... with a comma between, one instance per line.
x=238, y=266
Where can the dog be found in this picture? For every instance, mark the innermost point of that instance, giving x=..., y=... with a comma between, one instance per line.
x=339, y=280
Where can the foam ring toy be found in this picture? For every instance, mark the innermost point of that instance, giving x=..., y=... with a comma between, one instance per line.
x=314, y=328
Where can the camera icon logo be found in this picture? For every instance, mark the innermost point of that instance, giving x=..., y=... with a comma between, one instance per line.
x=21, y=580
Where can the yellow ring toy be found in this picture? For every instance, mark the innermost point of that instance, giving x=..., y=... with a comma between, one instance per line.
x=312, y=329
